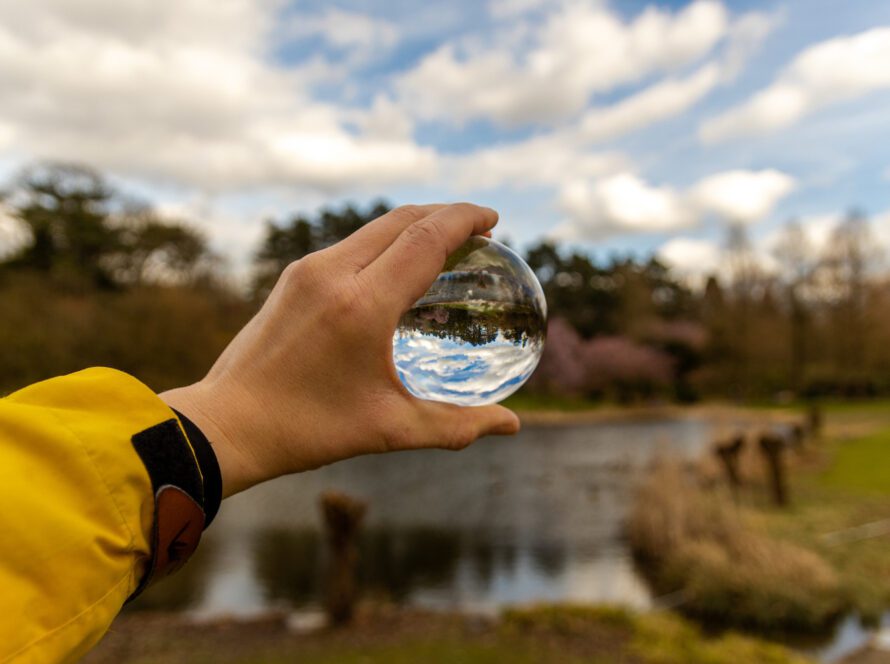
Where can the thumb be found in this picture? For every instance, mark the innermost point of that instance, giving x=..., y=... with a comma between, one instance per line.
x=455, y=427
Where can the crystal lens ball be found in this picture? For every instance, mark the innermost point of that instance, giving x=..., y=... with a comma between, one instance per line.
x=477, y=334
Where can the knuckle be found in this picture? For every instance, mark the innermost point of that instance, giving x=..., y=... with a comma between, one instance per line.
x=300, y=270
x=292, y=274
x=396, y=438
x=409, y=212
x=464, y=208
x=425, y=234
x=347, y=305
x=462, y=435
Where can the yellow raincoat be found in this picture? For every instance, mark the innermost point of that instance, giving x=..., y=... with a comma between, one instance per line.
x=77, y=510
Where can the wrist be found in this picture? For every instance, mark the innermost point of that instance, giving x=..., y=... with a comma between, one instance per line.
x=201, y=403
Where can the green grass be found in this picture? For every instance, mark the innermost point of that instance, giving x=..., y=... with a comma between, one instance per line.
x=567, y=634
x=652, y=638
x=849, y=489
x=831, y=406
x=428, y=651
x=536, y=402
x=861, y=465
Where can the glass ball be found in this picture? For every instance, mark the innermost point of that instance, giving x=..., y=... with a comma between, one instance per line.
x=477, y=334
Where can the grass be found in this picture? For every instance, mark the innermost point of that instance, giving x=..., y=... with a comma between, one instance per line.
x=861, y=465
x=537, y=635
x=746, y=563
x=654, y=638
x=729, y=572
x=524, y=401
x=835, y=504
x=429, y=651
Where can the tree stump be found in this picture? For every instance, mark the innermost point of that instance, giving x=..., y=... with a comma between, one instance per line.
x=342, y=518
x=728, y=452
x=773, y=447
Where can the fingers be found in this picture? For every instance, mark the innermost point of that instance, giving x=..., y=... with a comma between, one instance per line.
x=372, y=239
x=455, y=427
x=411, y=263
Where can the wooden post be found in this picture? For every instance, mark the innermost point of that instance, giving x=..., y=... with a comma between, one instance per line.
x=797, y=436
x=772, y=447
x=814, y=419
x=728, y=453
x=342, y=518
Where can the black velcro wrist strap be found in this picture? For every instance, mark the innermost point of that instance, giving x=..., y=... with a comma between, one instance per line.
x=179, y=493
x=209, y=467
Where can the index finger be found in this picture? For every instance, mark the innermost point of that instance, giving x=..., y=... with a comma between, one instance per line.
x=413, y=261
x=372, y=239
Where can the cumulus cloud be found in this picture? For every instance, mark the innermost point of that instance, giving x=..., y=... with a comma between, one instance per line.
x=882, y=230
x=657, y=102
x=691, y=257
x=741, y=196
x=13, y=233
x=184, y=91
x=818, y=231
x=345, y=30
x=541, y=161
x=829, y=72
x=698, y=258
x=624, y=203
x=565, y=152
x=510, y=8
x=672, y=96
x=581, y=48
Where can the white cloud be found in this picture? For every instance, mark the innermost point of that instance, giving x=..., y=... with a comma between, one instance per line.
x=691, y=257
x=13, y=233
x=385, y=120
x=657, y=102
x=832, y=71
x=881, y=226
x=624, y=203
x=673, y=96
x=510, y=8
x=345, y=30
x=697, y=258
x=741, y=196
x=581, y=48
x=539, y=161
x=185, y=92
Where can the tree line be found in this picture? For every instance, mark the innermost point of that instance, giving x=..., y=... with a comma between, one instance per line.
x=100, y=278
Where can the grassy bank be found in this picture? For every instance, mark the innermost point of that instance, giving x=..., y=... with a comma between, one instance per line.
x=548, y=634
x=737, y=560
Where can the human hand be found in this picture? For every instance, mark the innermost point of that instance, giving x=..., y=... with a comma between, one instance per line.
x=310, y=379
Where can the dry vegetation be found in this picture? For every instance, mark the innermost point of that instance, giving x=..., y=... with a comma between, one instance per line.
x=736, y=559
x=700, y=543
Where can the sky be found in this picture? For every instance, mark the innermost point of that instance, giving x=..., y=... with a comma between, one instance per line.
x=623, y=127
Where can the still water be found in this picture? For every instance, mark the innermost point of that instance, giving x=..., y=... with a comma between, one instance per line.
x=537, y=517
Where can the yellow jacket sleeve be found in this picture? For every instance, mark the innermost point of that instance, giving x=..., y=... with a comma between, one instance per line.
x=77, y=510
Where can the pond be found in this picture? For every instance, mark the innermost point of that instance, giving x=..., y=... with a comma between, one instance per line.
x=537, y=517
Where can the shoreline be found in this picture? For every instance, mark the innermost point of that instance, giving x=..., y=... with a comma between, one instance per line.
x=617, y=414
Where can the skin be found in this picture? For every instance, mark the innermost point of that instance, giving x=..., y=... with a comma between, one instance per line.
x=310, y=380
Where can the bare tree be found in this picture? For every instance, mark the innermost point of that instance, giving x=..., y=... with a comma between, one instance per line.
x=797, y=261
x=850, y=259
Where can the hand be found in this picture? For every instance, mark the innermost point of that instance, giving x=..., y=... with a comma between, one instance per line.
x=310, y=379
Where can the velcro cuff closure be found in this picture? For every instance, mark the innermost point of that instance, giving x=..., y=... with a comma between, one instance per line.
x=179, y=498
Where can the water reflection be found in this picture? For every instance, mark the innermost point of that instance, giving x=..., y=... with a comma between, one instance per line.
x=534, y=518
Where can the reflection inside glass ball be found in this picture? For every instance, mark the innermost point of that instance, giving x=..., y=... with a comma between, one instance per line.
x=477, y=334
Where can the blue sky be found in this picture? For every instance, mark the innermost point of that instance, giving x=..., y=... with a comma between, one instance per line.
x=630, y=127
